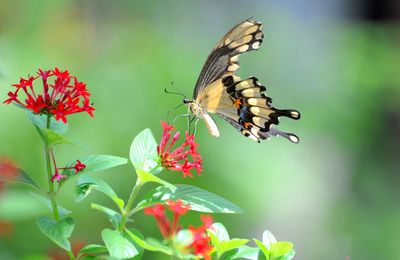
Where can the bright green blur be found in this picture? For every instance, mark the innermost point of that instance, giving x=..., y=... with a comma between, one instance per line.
x=335, y=194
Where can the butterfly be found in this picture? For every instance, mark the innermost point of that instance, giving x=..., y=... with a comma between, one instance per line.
x=243, y=103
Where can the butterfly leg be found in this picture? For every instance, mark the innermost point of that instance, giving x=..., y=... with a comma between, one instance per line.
x=196, y=120
x=189, y=121
x=179, y=116
x=172, y=109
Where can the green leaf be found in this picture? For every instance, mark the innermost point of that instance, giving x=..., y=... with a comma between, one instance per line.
x=183, y=238
x=98, y=257
x=137, y=234
x=198, y=199
x=264, y=250
x=93, y=250
x=118, y=245
x=229, y=255
x=274, y=250
x=268, y=239
x=225, y=246
x=58, y=231
x=280, y=249
x=288, y=256
x=150, y=246
x=41, y=122
x=148, y=177
x=20, y=205
x=112, y=215
x=86, y=184
x=143, y=152
x=219, y=231
x=53, y=138
x=243, y=252
x=142, y=243
x=220, y=239
x=20, y=176
x=94, y=163
x=46, y=201
x=160, y=247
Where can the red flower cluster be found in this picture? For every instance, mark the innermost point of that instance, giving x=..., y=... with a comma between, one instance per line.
x=201, y=241
x=64, y=96
x=178, y=159
x=158, y=211
x=79, y=166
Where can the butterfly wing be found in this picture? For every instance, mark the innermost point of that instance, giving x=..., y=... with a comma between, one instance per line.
x=243, y=103
x=223, y=59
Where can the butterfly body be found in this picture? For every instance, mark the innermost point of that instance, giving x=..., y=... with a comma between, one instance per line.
x=242, y=103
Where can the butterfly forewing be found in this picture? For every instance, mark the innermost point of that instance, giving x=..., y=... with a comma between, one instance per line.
x=224, y=59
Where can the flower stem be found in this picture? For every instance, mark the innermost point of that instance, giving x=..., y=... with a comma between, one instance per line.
x=128, y=206
x=71, y=255
x=49, y=175
x=52, y=194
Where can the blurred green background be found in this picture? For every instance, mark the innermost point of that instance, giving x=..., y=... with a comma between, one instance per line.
x=335, y=194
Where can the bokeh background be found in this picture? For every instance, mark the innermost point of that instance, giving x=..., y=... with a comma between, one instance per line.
x=335, y=195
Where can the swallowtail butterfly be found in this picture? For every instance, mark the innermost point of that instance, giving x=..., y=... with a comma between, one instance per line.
x=243, y=103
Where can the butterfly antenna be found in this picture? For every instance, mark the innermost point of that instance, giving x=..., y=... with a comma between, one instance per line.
x=174, y=108
x=175, y=93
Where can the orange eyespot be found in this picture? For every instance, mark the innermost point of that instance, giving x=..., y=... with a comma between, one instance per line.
x=246, y=125
x=237, y=103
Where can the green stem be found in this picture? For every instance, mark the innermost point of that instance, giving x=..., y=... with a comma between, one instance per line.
x=128, y=206
x=52, y=193
x=71, y=255
x=49, y=175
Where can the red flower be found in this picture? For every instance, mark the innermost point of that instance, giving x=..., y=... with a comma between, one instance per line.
x=179, y=209
x=158, y=212
x=57, y=176
x=201, y=241
x=60, y=111
x=35, y=104
x=79, y=166
x=184, y=158
x=61, y=97
x=200, y=246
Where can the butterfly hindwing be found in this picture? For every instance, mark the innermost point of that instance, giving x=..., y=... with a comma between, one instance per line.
x=251, y=110
x=224, y=58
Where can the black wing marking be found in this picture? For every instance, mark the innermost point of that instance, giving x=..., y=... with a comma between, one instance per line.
x=253, y=114
x=223, y=59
